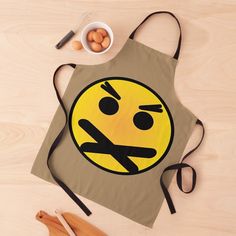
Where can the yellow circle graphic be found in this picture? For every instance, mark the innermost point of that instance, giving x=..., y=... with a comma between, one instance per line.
x=121, y=125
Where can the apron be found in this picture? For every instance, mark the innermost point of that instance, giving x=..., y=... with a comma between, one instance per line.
x=119, y=133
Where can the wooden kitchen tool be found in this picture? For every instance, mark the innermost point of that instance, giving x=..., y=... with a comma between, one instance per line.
x=79, y=226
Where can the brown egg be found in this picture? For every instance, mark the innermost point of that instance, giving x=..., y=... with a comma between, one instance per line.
x=97, y=37
x=90, y=35
x=102, y=31
x=96, y=47
x=106, y=42
x=77, y=45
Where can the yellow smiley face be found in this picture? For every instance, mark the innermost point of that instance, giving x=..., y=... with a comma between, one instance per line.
x=121, y=125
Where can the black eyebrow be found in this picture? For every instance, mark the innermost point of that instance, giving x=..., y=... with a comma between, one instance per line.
x=108, y=88
x=155, y=108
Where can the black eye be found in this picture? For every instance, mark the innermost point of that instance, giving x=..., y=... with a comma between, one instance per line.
x=143, y=120
x=108, y=105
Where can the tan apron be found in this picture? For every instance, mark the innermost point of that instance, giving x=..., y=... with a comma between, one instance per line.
x=119, y=129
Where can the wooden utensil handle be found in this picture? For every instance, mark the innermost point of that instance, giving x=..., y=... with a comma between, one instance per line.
x=79, y=226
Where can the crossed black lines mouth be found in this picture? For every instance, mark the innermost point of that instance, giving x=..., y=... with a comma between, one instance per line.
x=119, y=152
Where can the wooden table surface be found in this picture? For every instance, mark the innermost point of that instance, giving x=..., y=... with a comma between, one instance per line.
x=205, y=82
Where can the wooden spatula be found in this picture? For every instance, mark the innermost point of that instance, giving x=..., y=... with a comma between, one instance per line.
x=79, y=226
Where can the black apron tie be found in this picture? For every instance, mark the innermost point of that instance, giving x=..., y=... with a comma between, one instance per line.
x=176, y=55
x=56, y=143
x=179, y=167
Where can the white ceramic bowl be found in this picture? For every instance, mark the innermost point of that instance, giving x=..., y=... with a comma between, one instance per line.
x=91, y=26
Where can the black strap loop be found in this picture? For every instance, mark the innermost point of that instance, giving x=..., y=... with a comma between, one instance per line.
x=56, y=143
x=176, y=55
x=179, y=167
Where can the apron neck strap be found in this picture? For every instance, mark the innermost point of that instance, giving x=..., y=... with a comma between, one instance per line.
x=176, y=55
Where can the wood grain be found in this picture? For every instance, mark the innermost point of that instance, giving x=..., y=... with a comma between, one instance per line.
x=79, y=226
x=205, y=82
